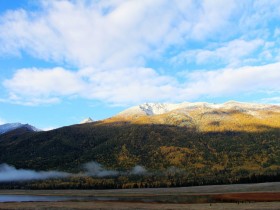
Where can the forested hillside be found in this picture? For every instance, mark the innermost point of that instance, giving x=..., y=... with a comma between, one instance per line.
x=217, y=146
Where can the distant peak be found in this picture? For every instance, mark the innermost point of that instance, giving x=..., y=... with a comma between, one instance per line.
x=87, y=120
x=12, y=126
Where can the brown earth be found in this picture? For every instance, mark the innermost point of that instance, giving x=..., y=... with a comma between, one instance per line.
x=256, y=197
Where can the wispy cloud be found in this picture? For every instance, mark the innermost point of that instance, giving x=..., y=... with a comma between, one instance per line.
x=233, y=53
x=95, y=169
x=211, y=18
x=10, y=173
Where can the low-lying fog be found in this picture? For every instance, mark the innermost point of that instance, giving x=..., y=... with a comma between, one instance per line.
x=10, y=173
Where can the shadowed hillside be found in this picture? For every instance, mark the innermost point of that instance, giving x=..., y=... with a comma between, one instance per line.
x=123, y=145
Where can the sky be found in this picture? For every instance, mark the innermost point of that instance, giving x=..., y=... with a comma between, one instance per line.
x=62, y=61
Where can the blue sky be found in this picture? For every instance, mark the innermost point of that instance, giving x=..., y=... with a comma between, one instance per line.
x=62, y=61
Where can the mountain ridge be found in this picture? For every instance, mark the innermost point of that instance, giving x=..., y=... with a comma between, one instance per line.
x=151, y=109
x=204, y=117
x=13, y=126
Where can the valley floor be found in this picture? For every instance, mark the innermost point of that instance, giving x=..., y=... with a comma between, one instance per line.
x=241, y=196
x=138, y=206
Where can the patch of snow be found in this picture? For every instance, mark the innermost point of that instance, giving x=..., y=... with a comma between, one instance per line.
x=12, y=126
x=87, y=120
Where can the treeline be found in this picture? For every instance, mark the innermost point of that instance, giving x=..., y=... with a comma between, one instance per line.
x=125, y=182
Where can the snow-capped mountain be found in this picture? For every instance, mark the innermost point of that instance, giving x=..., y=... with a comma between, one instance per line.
x=12, y=126
x=204, y=117
x=150, y=109
x=87, y=120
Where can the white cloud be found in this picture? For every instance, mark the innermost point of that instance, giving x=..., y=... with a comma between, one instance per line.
x=212, y=16
x=28, y=101
x=111, y=42
x=44, y=82
x=231, y=53
x=137, y=85
x=43, y=85
x=129, y=85
x=105, y=35
x=259, y=13
x=227, y=82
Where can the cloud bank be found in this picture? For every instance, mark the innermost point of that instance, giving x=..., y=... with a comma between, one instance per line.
x=128, y=86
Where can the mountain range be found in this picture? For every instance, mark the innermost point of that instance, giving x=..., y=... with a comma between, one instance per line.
x=218, y=141
x=204, y=117
x=162, y=108
x=14, y=126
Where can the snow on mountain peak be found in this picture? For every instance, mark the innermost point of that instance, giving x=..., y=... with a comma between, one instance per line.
x=155, y=108
x=150, y=109
x=87, y=120
x=12, y=126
